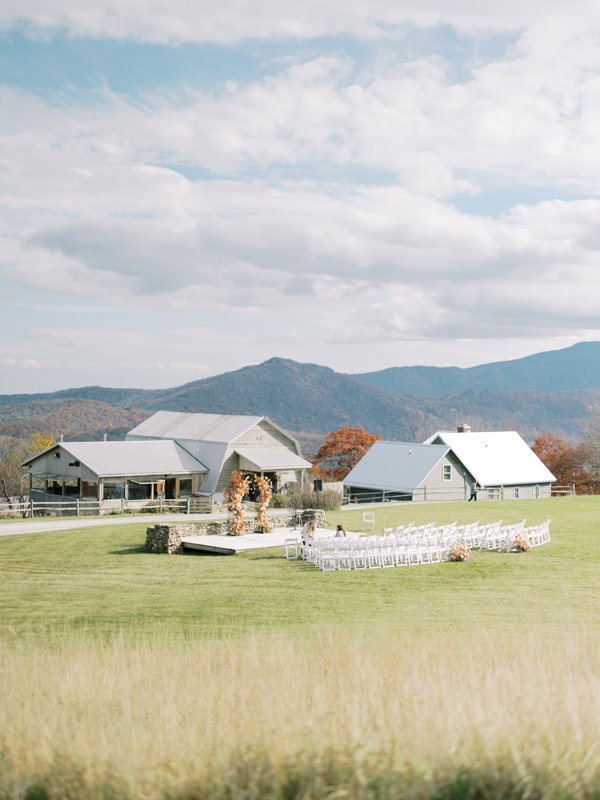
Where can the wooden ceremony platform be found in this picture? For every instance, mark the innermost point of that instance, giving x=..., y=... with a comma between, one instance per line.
x=230, y=545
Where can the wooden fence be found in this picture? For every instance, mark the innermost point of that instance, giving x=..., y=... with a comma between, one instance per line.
x=80, y=508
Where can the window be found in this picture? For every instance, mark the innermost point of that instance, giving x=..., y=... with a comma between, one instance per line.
x=447, y=472
x=516, y=492
x=138, y=491
x=185, y=487
x=114, y=490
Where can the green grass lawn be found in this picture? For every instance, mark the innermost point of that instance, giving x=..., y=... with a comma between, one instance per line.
x=101, y=581
x=127, y=674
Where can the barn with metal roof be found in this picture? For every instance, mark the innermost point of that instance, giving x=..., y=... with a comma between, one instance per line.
x=115, y=470
x=405, y=471
x=255, y=445
x=171, y=455
x=447, y=465
x=501, y=462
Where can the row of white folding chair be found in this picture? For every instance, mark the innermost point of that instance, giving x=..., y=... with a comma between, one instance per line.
x=535, y=535
x=541, y=534
x=380, y=552
x=410, y=533
x=502, y=537
x=412, y=544
x=317, y=550
x=423, y=544
x=489, y=534
x=469, y=534
x=415, y=539
x=399, y=530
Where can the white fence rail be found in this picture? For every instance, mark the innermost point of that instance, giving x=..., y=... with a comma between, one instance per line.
x=564, y=491
x=81, y=508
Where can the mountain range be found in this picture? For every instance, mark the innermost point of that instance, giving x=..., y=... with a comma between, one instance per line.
x=556, y=391
x=576, y=367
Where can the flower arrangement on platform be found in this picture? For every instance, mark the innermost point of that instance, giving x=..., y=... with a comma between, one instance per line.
x=460, y=552
x=265, y=492
x=521, y=542
x=234, y=495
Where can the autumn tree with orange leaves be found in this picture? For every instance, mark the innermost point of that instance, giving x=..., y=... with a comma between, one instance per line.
x=342, y=450
x=568, y=463
x=14, y=483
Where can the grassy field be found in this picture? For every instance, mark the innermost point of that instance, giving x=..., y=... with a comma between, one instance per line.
x=101, y=580
x=125, y=674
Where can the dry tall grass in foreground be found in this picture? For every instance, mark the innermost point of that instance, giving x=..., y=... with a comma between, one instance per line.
x=151, y=719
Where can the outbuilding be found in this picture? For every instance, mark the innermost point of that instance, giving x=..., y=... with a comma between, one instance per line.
x=447, y=465
x=405, y=471
x=106, y=471
x=501, y=462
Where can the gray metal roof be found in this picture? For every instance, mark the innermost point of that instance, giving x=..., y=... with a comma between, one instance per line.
x=268, y=458
x=107, y=459
x=213, y=455
x=496, y=458
x=202, y=427
x=395, y=466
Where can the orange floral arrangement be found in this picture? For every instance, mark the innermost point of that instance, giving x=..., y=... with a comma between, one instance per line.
x=521, y=542
x=265, y=492
x=234, y=495
x=460, y=552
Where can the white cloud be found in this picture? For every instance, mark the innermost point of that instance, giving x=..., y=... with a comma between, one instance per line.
x=23, y=363
x=333, y=214
x=231, y=21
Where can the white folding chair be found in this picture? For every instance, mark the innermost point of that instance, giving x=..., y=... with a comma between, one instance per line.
x=368, y=521
x=545, y=533
x=344, y=557
x=358, y=555
x=292, y=549
x=374, y=554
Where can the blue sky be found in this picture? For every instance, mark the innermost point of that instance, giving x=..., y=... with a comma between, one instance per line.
x=188, y=189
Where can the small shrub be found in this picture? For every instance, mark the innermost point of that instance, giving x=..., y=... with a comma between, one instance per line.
x=328, y=499
x=280, y=500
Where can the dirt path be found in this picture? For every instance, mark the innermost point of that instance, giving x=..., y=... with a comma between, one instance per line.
x=70, y=523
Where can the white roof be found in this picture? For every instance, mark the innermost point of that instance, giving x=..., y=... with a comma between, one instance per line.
x=108, y=459
x=205, y=427
x=268, y=458
x=498, y=458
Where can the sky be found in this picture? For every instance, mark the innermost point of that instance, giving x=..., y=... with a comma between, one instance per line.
x=187, y=188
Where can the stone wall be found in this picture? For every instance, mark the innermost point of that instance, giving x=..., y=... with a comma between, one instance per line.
x=166, y=537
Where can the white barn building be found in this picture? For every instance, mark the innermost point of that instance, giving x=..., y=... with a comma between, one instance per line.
x=172, y=455
x=446, y=466
x=501, y=462
x=223, y=443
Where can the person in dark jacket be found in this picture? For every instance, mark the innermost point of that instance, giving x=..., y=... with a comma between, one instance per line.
x=474, y=486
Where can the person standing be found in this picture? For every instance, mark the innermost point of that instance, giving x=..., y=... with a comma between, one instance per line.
x=473, y=487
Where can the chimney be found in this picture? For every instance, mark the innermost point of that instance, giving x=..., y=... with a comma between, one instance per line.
x=463, y=428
